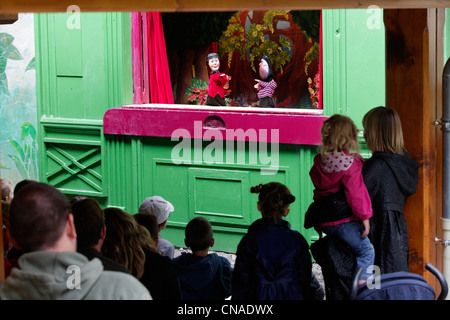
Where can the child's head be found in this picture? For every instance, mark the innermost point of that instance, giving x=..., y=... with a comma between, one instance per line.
x=273, y=200
x=383, y=130
x=198, y=234
x=339, y=133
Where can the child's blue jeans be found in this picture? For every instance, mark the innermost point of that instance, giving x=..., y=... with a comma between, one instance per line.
x=350, y=232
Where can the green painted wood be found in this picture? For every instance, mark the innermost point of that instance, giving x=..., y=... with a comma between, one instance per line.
x=81, y=72
x=353, y=62
x=446, y=36
x=220, y=192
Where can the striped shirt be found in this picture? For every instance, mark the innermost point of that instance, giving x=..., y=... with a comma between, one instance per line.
x=266, y=89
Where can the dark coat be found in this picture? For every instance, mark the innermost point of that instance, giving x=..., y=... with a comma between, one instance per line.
x=272, y=263
x=390, y=179
x=160, y=277
x=203, y=278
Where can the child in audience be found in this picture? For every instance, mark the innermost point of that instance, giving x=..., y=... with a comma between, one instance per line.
x=336, y=168
x=202, y=275
x=161, y=208
x=272, y=261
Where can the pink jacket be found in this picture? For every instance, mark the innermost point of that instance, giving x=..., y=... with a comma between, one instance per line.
x=334, y=169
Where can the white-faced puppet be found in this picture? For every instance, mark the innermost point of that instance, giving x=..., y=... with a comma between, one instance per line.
x=266, y=86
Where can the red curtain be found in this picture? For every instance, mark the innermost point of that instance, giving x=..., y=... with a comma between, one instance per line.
x=321, y=64
x=151, y=76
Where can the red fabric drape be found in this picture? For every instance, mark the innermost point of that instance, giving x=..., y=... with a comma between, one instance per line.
x=320, y=64
x=151, y=76
x=136, y=49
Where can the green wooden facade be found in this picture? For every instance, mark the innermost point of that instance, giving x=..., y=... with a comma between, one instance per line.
x=81, y=73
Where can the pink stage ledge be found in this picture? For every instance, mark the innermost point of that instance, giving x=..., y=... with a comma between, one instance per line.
x=251, y=124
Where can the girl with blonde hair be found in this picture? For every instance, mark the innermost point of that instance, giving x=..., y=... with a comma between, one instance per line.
x=391, y=176
x=337, y=173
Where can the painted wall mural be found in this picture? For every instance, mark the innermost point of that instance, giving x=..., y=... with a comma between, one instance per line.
x=18, y=115
x=289, y=39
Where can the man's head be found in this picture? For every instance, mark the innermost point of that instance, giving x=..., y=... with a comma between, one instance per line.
x=89, y=223
x=158, y=206
x=40, y=219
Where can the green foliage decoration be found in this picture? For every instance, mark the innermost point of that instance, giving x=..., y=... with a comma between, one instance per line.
x=254, y=42
x=7, y=51
x=26, y=149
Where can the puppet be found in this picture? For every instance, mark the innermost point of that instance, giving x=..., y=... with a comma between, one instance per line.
x=266, y=86
x=217, y=82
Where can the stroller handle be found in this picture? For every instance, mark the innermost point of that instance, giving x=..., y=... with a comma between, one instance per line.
x=441, y=278
x=428, y=266
x=354, y=288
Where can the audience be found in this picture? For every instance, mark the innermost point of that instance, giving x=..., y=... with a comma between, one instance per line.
x=91, y=232
x=22, y=184
x=7, y=244
x=123, y=256
x=272, y=261
x=7, y=191
x=7, y=195
x=130, y=244
x=14, y=253
x=42, y=225
x=202, y=276
x=151, y=223
x=161, y=208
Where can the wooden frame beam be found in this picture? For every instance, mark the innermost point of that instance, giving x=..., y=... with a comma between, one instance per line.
x=17, y=6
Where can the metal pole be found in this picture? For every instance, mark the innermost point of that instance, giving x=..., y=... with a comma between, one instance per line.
x=445, y=122
x=445, y=140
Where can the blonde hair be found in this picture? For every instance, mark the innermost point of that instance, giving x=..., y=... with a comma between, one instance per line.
x=339, y=133
x=383, y=130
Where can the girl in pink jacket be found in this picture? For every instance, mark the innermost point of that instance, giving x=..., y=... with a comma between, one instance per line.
x=337, y=169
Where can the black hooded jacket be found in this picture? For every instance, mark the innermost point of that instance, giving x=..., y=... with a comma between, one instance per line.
x=390, y=179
